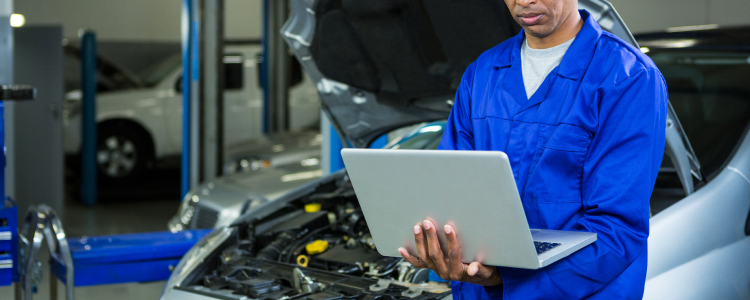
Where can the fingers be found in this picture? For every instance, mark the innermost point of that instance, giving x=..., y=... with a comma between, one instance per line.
x=421, y=246
x=480, y=271
x=457, y=267
x=472, y=269
x=411, y=259
x=434, y=251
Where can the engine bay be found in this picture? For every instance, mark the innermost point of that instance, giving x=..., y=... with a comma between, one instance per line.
x=315, y=247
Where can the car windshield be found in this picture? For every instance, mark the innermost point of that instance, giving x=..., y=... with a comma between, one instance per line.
x=157, y=72
x=110, y=77
x=423, y=137
x=710, y=92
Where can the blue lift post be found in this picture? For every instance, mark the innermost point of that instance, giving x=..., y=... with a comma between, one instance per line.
x=8, y=222
x=264, y=69
x=8, y=209
x=186, y=34
x=190, y=74
x=88, y=116
x=8, y=242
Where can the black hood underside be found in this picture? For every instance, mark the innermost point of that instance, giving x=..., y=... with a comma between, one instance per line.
x=403, y=50
x=383, y=64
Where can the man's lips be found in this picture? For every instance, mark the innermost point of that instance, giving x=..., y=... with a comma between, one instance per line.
x=530, y=19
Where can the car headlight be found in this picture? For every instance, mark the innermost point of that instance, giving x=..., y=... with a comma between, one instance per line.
x=196, y=255
x=187, y=209
x=185, y=213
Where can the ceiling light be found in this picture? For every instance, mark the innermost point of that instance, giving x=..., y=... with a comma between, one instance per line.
x=692, y=28
x=17, y=20
x=645, y=50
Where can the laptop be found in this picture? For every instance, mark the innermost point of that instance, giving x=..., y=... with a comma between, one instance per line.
x=474, y=191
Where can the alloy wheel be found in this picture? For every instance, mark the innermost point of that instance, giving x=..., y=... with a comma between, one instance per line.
x=117, y=156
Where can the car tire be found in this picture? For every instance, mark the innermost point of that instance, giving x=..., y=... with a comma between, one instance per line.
x=123, y=152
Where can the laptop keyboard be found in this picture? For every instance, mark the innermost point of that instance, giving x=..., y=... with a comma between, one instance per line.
x=542, y=247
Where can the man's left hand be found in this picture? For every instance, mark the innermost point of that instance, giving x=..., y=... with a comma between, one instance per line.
x=449, y=267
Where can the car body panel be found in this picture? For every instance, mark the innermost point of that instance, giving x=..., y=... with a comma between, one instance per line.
x=690, y=228
x=227, y=196
x=272, y=150
x=719, y=274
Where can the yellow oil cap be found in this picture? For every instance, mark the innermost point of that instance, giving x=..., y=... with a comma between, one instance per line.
x=316, y=247
x=313, y=207
x=302, y=260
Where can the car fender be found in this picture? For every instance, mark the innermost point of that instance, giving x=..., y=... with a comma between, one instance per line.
x=711, y=218
x=144, y=109
x=720, y=274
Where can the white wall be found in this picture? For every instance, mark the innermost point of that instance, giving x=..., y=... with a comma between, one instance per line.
x=656, y=15
x=159, y=20
x=134, y=20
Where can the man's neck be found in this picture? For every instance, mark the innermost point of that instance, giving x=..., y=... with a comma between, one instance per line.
x=568, y=30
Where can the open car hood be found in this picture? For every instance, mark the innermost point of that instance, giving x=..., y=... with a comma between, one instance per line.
x=384, y=64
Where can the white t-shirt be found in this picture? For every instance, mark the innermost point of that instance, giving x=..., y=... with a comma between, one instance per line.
x=538, y=63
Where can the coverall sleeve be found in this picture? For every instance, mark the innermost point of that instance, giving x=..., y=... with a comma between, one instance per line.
x=619, y=174
x=459, y=133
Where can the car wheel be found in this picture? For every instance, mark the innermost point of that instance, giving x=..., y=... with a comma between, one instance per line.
x=122, y=153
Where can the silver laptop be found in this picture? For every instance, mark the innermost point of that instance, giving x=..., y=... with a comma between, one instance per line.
x=474, y=191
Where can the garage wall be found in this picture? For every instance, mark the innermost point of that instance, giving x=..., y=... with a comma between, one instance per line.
x=159, y=20
x=134, y=20
x=657, y=15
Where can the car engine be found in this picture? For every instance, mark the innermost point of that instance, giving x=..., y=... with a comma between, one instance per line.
x=315, y=247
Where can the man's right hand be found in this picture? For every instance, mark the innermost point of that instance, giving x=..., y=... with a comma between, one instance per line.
x=450, y=266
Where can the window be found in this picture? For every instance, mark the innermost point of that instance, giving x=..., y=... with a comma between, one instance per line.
x=234, y=72
x=710, y=92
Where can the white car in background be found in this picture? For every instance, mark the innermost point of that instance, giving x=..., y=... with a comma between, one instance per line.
x=139, y=127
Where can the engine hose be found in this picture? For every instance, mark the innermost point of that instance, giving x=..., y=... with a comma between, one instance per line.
x=272, y=251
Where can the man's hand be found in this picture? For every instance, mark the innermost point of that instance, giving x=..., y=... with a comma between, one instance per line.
x=449, y=267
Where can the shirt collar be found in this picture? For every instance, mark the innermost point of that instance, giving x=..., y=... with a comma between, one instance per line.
x=575, y=61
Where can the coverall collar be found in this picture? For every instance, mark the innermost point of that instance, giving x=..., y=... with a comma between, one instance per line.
x=576, y=60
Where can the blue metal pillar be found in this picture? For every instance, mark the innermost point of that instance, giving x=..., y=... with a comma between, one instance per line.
x=331, y=146
x=266, y=115
x=2, y=146
x=88, y=114
x=188, y=28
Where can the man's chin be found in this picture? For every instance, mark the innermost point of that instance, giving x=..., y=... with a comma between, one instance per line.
x=537, y=31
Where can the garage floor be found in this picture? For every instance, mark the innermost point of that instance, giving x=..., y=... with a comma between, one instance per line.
x=121, y=210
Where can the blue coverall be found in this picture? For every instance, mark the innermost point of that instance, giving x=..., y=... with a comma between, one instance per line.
x=585, y=152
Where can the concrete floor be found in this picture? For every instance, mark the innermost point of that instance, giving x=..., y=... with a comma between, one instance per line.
x=126, y=209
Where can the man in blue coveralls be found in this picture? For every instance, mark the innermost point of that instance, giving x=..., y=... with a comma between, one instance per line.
x=582, y=116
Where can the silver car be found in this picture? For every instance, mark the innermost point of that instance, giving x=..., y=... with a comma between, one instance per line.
x=258, y=173
x=313, y=242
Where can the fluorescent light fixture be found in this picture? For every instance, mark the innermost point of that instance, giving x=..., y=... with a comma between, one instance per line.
x=17, y=20
x=682, y=43
x=693, y=28
x=645, y=50
x=232, y=59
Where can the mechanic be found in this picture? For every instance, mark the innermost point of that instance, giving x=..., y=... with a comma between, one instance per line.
x=582, y=117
